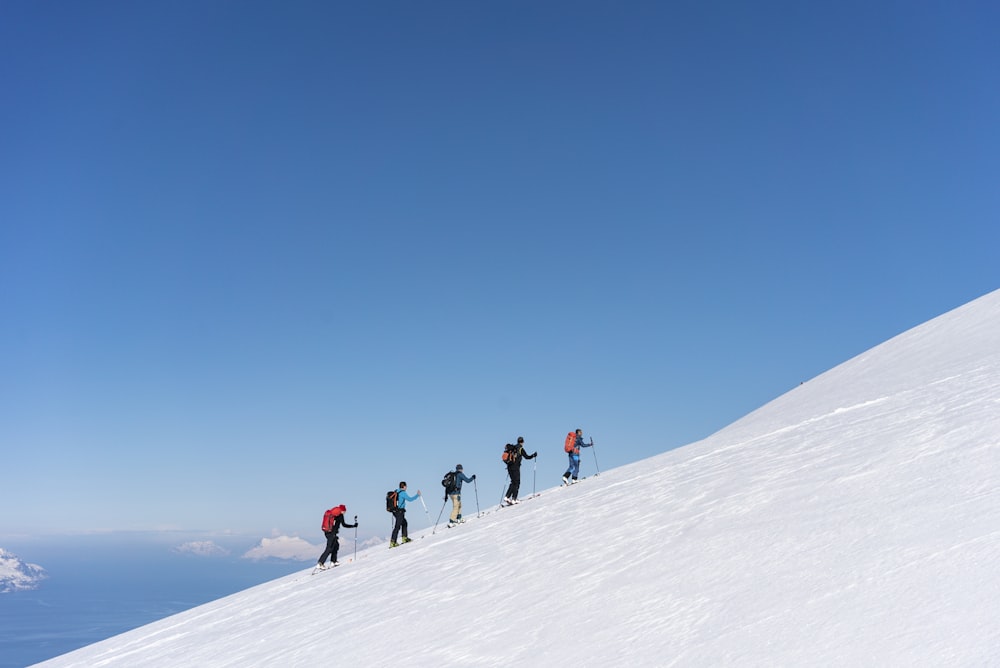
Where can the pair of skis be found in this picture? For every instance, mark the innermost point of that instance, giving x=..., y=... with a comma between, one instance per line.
x=319, y=569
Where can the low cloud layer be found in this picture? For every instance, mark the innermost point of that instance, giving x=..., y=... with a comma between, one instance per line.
x=202, y=548
x=284, y=547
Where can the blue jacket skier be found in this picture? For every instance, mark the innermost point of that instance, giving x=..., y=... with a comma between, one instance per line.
x=400, y=514
x=573, y=472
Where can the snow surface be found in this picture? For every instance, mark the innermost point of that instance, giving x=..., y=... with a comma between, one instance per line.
x=15, y=575
x=853, y=521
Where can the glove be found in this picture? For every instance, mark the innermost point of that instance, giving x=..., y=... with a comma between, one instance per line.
x=473, y=476
x=534, y=455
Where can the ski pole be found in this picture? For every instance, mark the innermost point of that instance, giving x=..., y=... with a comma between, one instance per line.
x=355, y=538
x=426, y=512
x=534, y=469
x=476, y=487
x=594, y=448
x=438, y=520
x=505, y=485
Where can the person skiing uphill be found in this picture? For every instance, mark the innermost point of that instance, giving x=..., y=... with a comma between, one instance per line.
x=515, y=454
x=333, y=520
x=573, y=450
x=455, y=494
x=400, y=514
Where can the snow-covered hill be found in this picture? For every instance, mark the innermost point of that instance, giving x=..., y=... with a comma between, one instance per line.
x=853, y=521
x=15, y=575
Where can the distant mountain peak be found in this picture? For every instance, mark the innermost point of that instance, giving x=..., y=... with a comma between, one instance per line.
x=15, y=575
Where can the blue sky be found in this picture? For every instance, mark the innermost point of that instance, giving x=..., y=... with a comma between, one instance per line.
x=258, y=259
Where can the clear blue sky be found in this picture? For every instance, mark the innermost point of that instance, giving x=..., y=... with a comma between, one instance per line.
x=260, y=258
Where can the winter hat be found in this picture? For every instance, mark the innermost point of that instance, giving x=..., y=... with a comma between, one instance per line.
x=458, y=467
x=520, y=439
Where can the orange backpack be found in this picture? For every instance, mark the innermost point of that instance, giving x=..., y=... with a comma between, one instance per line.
x=570, y=442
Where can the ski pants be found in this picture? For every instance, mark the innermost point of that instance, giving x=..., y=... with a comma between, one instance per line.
x=456, y=506
x=332, y=546
x=400, y=515
x=574, y=466
x=515, y=481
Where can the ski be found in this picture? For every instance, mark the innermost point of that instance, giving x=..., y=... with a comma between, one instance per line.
x=317, y=569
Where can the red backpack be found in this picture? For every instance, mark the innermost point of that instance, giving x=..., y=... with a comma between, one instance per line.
x=570, y=442
x=330, y=519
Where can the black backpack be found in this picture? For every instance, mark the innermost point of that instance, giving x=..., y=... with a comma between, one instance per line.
x=449, y=483
x=391, y=499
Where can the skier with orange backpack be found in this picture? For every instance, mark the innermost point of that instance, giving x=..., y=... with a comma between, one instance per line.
x=574, y=441
x=333, y=519
x=512, y=456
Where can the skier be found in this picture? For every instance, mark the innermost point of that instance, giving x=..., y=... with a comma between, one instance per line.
x=573, y=472
x=455, y=494
x=516, y=454
x=400, y=514
x=332, y=521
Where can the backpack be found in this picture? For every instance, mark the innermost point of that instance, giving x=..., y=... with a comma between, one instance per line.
x=570, y=442
x=509, y=455
x=448, y=481
x=391, y=500
x=330, y=519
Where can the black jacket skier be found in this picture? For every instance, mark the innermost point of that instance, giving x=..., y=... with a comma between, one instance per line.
x=332, y=541
x=517, y=453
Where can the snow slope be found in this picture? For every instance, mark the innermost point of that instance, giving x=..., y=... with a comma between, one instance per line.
x=853, y=521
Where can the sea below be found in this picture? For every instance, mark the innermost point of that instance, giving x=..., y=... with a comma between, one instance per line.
x=100, y=586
